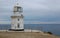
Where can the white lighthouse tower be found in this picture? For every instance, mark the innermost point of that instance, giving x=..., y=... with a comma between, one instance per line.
x=17, y=19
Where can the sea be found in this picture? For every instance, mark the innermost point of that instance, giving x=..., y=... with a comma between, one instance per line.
x=53, y=28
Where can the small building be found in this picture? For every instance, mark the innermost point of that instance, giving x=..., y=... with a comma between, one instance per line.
x=17, y=23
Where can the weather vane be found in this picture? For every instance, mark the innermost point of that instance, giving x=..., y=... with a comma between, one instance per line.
x=16, y=0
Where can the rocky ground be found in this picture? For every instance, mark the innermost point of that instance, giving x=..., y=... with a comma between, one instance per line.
x=25, y=35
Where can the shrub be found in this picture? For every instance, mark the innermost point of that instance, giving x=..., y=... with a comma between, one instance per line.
x=49, y=32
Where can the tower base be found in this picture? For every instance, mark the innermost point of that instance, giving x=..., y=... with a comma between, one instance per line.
x=16, y=29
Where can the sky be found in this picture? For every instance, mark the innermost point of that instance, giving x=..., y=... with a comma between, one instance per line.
x=36, y=11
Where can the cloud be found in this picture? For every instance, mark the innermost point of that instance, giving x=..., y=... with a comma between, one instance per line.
x=32, y=9
x=41, y=7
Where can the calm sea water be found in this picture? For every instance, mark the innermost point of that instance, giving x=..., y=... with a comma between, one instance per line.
x=54, y=28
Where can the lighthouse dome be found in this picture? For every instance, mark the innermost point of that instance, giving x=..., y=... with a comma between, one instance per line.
x=17, y=5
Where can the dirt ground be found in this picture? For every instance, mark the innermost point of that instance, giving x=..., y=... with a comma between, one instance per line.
x=25, y=35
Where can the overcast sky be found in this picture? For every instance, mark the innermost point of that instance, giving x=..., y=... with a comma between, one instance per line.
x=33, y=10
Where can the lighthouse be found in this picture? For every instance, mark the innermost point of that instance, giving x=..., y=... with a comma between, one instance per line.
x=17, y=23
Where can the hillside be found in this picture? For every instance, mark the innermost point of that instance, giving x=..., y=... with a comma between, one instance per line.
x=25, y=35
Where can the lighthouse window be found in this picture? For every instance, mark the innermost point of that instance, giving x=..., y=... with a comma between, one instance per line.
x=18, y=8
x=18, y=25
x=18, y=19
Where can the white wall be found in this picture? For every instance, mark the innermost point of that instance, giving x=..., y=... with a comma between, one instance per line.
x=15, y=22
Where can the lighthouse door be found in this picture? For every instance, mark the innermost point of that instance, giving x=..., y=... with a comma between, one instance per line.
x=18, y=25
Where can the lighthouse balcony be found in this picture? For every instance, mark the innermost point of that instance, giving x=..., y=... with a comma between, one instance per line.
x=16, y=16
